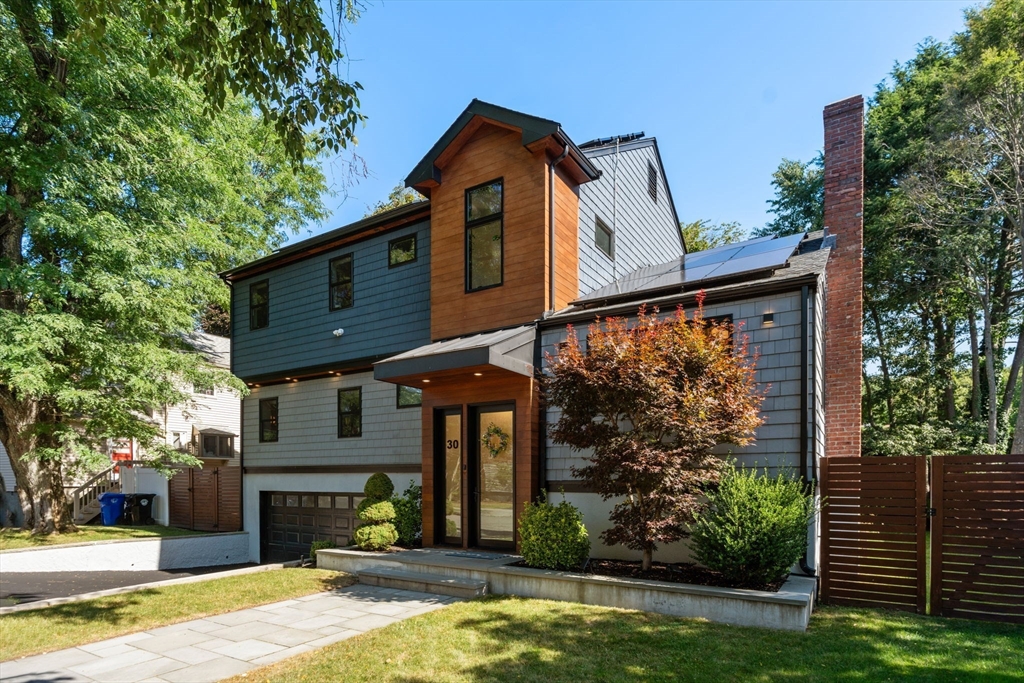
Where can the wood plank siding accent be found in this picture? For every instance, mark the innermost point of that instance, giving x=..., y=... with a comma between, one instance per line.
x=493, y=152
x=465, y=390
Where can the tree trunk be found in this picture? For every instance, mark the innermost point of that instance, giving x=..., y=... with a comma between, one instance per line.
x=1018, y=433
x=990, y=375
x=975, y=368
x=1011, y=381
x=648, y=559
x=883, y=358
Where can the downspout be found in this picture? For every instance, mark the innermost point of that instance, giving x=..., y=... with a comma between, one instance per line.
x=551, y=221
x=804, y=455
x=542, y=427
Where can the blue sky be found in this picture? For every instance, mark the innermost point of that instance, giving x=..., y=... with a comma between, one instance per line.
x=729, y=89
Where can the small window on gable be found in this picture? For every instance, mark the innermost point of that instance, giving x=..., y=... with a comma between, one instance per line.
x=341, y=282
x=604, y=238
x=401, y=251
x=409, y=397
x=652, y=181
x=268, y=420
x=350, y=412
x=205, y=391
x=259, y=305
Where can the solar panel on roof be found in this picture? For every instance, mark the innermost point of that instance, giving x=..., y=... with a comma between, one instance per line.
x=756, y=255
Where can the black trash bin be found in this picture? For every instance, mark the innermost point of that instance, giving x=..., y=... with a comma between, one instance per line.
x=142, y=513
x=129, y=509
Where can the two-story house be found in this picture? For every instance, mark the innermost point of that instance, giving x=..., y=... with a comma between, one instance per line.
x=410, y=342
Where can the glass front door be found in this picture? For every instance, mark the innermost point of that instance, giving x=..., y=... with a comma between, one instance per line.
x=448, y=456
x=492, y=475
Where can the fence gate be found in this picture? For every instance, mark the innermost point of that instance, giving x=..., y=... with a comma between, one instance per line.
x=873, y=532
x=978, y=537
x=206, y=499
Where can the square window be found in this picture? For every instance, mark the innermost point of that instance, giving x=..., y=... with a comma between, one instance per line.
x=484, y=236
x=604, y=238
x=307, y=501
x=401, y=251
x=341, y=293
x=292, y=501
x=277, y=499
x=350, y=412
x=409, y=397
x=268, y=419
x=341, y=502
x=323, y=501
x=259, y=305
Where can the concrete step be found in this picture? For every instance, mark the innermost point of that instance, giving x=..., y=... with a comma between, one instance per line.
x=424, y=583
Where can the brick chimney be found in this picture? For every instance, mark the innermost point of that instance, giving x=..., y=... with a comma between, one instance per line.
x=844, y=304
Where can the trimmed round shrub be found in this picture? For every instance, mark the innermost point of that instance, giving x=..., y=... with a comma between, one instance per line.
x=379, y=487
x=754, y=527
x=376, y=536
x=553, y=536
x=409, y=515
x=376, y=513
x=319, y=545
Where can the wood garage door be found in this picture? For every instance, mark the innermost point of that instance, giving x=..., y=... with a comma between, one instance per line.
x=292, y=521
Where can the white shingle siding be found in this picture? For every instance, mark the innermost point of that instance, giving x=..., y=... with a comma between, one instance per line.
x=6, y=470
x=222, y=410
x=778, y=439
x=308, y=425
x=645, y=230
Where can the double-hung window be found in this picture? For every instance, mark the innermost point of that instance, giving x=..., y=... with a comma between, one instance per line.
x=259, y=305
x=341, y=282
x=350, y=412
x=484, y=248
x=268, y=419
x=604, y=238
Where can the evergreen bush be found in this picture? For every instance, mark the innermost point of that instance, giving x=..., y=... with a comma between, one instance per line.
x=754, y=527
x=409, y=515
x=553, y=536
x=379, y=487
x=377, y=514
x=319, y=545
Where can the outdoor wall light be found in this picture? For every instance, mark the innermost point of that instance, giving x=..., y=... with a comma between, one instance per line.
x=338, y=332
x=768, y=319
x=478, y=374
x=426, y=381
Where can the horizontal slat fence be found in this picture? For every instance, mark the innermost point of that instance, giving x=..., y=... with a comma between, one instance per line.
x=978, y=537
x=873, y=532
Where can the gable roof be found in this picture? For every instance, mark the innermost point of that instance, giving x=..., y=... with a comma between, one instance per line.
x=534, y=129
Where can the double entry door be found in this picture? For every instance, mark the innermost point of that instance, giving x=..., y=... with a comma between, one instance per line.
x=474, y=459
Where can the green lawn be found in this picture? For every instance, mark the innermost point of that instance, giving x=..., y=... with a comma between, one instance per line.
x=78, y=623
x=514, y=639
x=10, y=539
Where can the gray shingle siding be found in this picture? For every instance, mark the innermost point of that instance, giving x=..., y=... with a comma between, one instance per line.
x=391, y=311
x=645, y=230
x=308, y=425
x=778, y=439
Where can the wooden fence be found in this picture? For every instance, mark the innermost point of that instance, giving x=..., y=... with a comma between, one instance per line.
x=875, y=540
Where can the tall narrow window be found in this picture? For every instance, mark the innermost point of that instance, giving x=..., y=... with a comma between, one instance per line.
x=268, y=419
x=350, y=412
x=401, y=251
x=652, y=181
x=484, y=205
x=341, y=282
x=604, y=238
x=259, y=305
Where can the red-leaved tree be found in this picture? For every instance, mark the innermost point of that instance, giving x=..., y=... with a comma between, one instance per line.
x=650, y=401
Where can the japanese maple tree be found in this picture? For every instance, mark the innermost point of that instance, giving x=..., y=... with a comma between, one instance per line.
x=648, y=401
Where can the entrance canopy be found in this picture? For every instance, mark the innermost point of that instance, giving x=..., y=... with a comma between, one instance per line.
x=510, y=350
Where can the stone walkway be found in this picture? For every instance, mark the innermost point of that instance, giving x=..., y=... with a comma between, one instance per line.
x=222, y=646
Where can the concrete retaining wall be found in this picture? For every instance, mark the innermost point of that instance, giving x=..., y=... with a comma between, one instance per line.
x=181, y=552
x=789, y=609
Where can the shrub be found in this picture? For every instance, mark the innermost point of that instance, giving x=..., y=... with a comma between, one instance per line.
x=376, y=512
x=319, y=545
x=754, y=527
x=376, y=536
x=553, y=536
x=379, y=487
x=409, y=515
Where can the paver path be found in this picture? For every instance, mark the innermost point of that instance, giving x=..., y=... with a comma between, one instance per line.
x=225, y=645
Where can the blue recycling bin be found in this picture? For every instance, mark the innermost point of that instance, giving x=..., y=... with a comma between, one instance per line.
x=111, y=507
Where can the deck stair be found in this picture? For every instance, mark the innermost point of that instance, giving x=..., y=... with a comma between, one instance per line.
x=386, y=577
x=85, y=500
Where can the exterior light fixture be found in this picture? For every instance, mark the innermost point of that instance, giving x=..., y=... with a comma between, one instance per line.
x=288, y=378
x=426, y=381
x=338, y=332
x=478, y=374
x=768, y=319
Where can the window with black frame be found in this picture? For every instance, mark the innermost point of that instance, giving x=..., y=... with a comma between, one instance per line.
x=350, y=412
x=408, y=397
x=259, y=305
x=341, y=295
x=268, y=420
x=401, y=251
x=484, y=248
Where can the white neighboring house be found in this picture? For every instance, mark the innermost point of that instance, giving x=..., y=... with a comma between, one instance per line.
x=209, y=428
x=8, y=497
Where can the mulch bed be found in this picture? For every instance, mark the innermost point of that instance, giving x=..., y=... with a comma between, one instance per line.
x=681, y=572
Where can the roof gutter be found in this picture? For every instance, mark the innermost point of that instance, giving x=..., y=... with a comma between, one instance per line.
x=551, y=222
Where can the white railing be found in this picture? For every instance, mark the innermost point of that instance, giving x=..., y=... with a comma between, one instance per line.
x=90, y=491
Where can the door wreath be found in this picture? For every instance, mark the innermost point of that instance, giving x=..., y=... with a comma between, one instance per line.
x=495, y=439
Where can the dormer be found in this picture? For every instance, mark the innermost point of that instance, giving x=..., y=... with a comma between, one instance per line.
x=504, y=217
